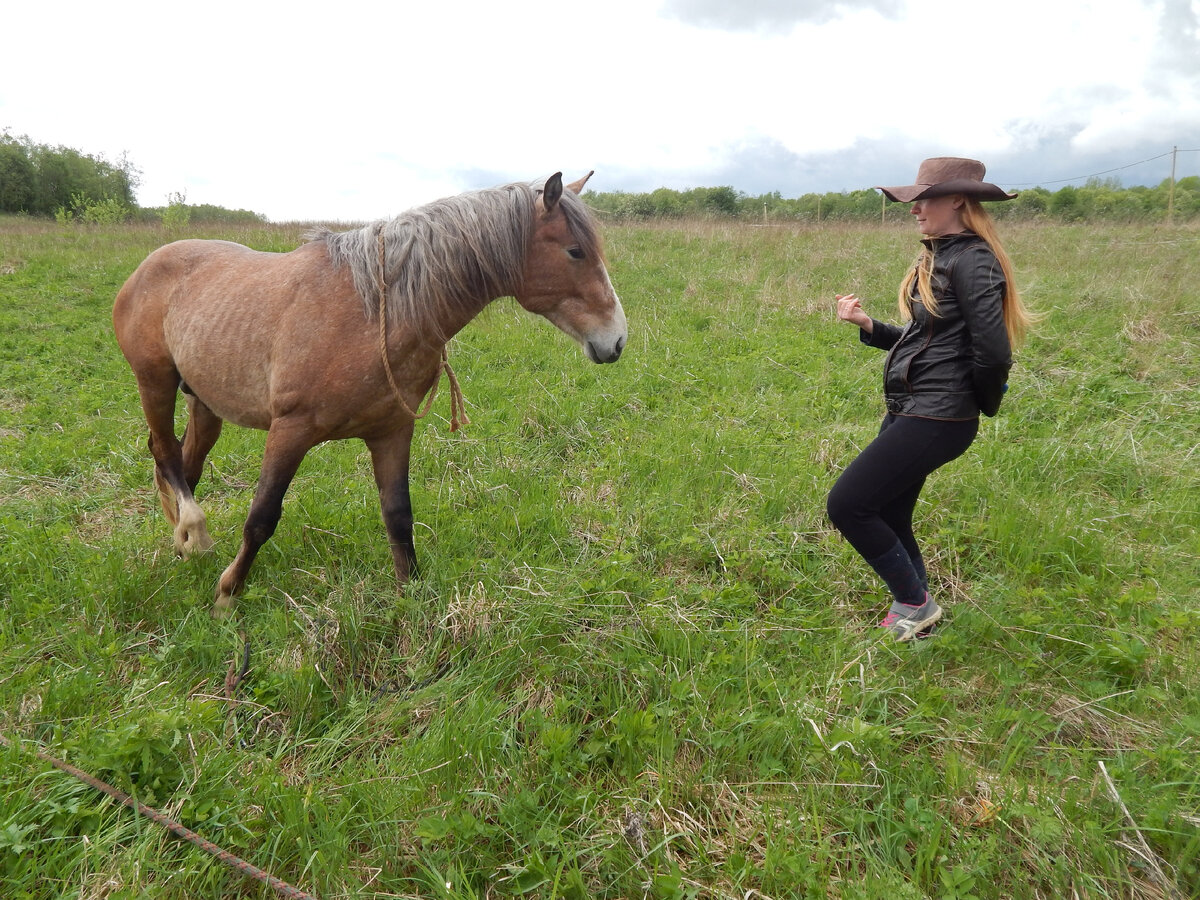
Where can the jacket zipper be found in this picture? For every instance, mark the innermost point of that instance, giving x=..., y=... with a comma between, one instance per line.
x=887, y=360
x=923, y=347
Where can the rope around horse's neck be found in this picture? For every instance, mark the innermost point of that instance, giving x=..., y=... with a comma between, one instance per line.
x=458, y=409
x=280, y=887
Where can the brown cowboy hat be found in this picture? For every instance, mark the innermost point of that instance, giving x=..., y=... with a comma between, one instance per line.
x=942, y=175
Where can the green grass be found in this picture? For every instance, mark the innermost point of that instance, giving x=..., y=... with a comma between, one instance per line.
x=640, y=663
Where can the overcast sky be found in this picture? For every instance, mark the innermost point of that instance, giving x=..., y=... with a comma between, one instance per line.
x=356, y=110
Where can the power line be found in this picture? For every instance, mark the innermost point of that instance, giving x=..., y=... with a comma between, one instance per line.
x=1093, y=175
x=1098, y=174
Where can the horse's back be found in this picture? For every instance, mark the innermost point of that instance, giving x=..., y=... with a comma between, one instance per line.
x=222, y=316
x=167, y=277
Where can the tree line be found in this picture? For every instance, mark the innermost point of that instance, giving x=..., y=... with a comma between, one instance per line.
x=69, y=185
x=1097, y=200
x=40, y=180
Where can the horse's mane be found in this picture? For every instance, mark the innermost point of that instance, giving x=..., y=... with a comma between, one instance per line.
x=450, y=255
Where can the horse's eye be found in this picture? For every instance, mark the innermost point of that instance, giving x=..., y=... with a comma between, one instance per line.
x=575, y=253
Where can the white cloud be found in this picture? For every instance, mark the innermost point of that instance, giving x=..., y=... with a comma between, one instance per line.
x=769, y=16
x=361, y=110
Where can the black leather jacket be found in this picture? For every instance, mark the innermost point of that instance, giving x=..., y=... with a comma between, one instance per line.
x=953, y=365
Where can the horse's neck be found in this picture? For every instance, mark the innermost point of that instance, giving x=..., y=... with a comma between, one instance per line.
x=409, y=342
x=455, y=320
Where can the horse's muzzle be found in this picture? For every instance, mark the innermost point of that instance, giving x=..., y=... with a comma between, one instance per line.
x=600, y=354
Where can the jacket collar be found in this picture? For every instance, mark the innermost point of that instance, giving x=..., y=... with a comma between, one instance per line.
x=940, y=243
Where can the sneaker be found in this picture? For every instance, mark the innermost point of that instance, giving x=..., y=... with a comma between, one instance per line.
x=906, y=622
x=928, y=631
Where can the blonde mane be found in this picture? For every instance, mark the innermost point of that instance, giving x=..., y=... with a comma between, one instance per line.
x=450, y=256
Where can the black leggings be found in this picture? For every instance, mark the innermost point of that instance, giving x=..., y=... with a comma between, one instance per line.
x=872, y=502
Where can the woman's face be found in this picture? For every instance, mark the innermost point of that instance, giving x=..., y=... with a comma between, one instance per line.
x=939, y=216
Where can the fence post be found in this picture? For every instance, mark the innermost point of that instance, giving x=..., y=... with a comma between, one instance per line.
x=1171, y=190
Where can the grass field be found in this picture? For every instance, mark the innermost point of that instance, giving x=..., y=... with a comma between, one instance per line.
x=640, y=663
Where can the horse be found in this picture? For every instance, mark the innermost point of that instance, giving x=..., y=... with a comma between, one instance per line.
x=342, y=338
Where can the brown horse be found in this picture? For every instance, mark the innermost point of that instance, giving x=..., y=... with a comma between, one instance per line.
x=300, y=343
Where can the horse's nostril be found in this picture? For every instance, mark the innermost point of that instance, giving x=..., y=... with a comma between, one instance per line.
x=620, y=345
x=598, y=354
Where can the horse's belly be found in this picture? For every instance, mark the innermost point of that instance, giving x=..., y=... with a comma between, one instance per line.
x=251, y=366
x=224, y=359
x=241, y=397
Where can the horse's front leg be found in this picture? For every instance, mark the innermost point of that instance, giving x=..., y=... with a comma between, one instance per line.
x=389, y=457
x=287, y=442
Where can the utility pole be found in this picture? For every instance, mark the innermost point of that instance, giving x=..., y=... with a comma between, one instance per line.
x=1171, y=191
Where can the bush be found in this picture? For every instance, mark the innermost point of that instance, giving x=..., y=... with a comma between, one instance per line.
x=177, y=214
x=109, y=211
x=104, y=212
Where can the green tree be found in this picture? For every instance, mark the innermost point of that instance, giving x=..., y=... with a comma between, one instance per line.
x=39, y=179
x=1031, y=203
x=16, y=176
x=1187, y=197
x=722, y=201
x=667, y=203
x=1066, y=205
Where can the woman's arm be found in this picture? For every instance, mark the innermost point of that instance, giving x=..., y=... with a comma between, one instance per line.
x=872, y=332
x=849, y=309
x=980, y=286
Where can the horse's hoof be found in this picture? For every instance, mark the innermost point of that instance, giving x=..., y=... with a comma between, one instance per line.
x=223, y=607
x=186, y=547
x=191, y=534
x=198, y=542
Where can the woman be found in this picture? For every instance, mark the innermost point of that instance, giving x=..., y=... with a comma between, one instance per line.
x=947, y=364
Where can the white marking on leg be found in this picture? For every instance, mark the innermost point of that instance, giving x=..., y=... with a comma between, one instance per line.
x=191, y=534
x=166, y=497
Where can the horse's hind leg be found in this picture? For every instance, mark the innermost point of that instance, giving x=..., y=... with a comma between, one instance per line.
x=174, y=492
x=203, y=429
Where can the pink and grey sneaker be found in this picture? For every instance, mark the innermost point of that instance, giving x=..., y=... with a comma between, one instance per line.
x=907, y=622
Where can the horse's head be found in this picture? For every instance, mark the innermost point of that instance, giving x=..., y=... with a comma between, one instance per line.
x=564, y=277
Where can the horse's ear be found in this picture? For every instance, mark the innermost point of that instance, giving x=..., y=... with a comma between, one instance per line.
x=576, y=187
x=552, y=192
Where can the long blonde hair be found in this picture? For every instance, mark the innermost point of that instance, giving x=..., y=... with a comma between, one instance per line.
x=1017, y=319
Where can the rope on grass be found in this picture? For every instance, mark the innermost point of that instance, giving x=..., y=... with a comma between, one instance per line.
x=233, y=680
x=282, y=888
x=458, y=409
